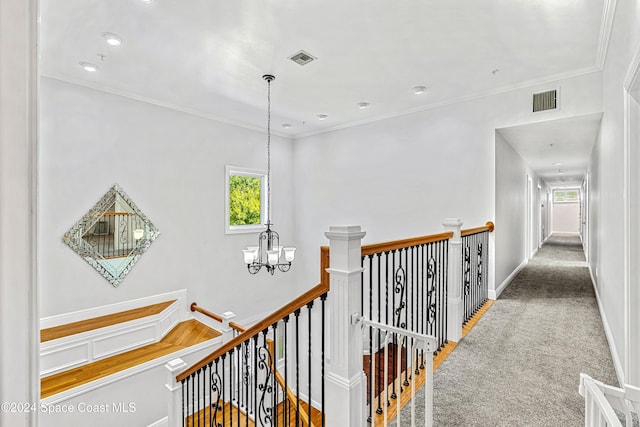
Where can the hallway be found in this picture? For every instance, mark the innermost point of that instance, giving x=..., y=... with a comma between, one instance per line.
x=520, y=365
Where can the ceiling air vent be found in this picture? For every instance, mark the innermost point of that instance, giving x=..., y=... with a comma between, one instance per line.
x=545, y=101
x=302, y=58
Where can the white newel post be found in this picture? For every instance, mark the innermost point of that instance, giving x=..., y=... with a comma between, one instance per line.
x=226, y=329
x=345, y=380
x=454, y=300
x=174, y=367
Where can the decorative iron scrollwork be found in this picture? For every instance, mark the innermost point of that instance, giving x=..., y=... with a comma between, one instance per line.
x=480, y=249
x=216, y=394
x=431, y=290
x=265, y=410
x=466, y=269
x=400, y=278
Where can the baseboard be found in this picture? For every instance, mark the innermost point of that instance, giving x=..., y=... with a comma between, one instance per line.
x=163, y=422
x=617, y=364
x=495, y=293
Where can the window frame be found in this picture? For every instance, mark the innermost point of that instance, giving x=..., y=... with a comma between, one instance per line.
x=250, y=172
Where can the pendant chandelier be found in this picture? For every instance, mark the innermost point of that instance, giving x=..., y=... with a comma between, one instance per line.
x=268, y=254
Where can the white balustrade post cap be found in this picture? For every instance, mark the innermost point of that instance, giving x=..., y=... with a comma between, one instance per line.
x=345, y=232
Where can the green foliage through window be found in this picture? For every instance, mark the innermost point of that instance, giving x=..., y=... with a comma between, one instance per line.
x=244, y=200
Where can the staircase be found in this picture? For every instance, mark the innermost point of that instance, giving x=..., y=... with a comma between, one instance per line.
x=106, y=359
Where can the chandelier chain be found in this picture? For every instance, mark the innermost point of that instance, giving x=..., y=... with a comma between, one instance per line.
x=268, y=151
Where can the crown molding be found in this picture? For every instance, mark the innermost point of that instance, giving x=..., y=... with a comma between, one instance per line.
x=606, y=27
x=523, y=85
x=162, y=104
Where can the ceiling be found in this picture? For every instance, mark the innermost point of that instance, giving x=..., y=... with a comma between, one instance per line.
x=207, y=57
x=558, y=150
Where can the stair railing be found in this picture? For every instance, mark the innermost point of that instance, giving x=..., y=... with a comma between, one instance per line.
x=601, y=402
x=475, y=268
x=273, y=357
x=413, y=349
x=239, y=383
x=404, y=286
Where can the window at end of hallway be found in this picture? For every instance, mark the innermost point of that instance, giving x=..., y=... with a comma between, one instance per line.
x=245, y=207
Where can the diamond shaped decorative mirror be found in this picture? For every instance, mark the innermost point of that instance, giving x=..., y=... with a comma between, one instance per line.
x=112, y=236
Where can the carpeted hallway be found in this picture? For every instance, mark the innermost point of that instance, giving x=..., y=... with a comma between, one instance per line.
x=520, y=365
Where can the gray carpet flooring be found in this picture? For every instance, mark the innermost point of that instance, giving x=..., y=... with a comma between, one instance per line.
x=520, y=364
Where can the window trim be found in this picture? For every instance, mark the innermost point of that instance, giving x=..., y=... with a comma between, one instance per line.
x=249, y=228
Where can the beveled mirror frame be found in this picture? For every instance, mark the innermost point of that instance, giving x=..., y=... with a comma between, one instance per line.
x=136, y=241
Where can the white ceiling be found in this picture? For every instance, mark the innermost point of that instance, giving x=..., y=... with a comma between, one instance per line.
x=207, y=57
x=565, y=141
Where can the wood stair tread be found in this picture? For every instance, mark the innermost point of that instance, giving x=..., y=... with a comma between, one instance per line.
x=86, y=325
x=183, y=335
x=202, y=417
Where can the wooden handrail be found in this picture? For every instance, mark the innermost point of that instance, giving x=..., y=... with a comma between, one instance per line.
x=304, y=299
x=404, y=243
x=488, y=227
x=324, y=264
x=195, y=307
x=237, y=327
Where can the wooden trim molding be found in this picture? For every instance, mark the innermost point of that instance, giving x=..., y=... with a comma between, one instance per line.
x=405, y=243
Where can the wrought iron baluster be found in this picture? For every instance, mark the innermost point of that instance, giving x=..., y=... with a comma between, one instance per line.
x=376, y=376
x=286, y=419
x=441, y=299
x=323, y=299
x=274, y=385
x=183, y=382
x=395, y=323
x=264, y=359
x=371, y=349
x=309, y=307
x=297, y=349
x=193, y=397
x=254, y=385
x=223, y=399
x=422, y=298
x=408, y=280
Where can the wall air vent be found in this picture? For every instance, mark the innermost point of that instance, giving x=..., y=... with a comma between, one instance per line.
x=545, y=101
x=302, y=58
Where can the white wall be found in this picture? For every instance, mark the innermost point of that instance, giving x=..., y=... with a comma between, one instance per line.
x=511, y=204
x=173, y=166
x=400, y=177
x=18, y=151
x=566, y=217
x=606, y=197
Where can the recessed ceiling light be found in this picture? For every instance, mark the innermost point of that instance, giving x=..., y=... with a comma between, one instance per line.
x=322, y=116
x=87, y=66
x=419, y=90
x=560, y=173
x=363, y=105
x=557, y=164
x=146, y=1
x=112, y=39
x=286, y=125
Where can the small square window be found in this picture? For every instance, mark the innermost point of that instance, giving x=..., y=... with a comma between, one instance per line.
x=246, y=201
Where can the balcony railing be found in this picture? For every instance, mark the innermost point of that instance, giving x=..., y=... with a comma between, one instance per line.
x=393, y=306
